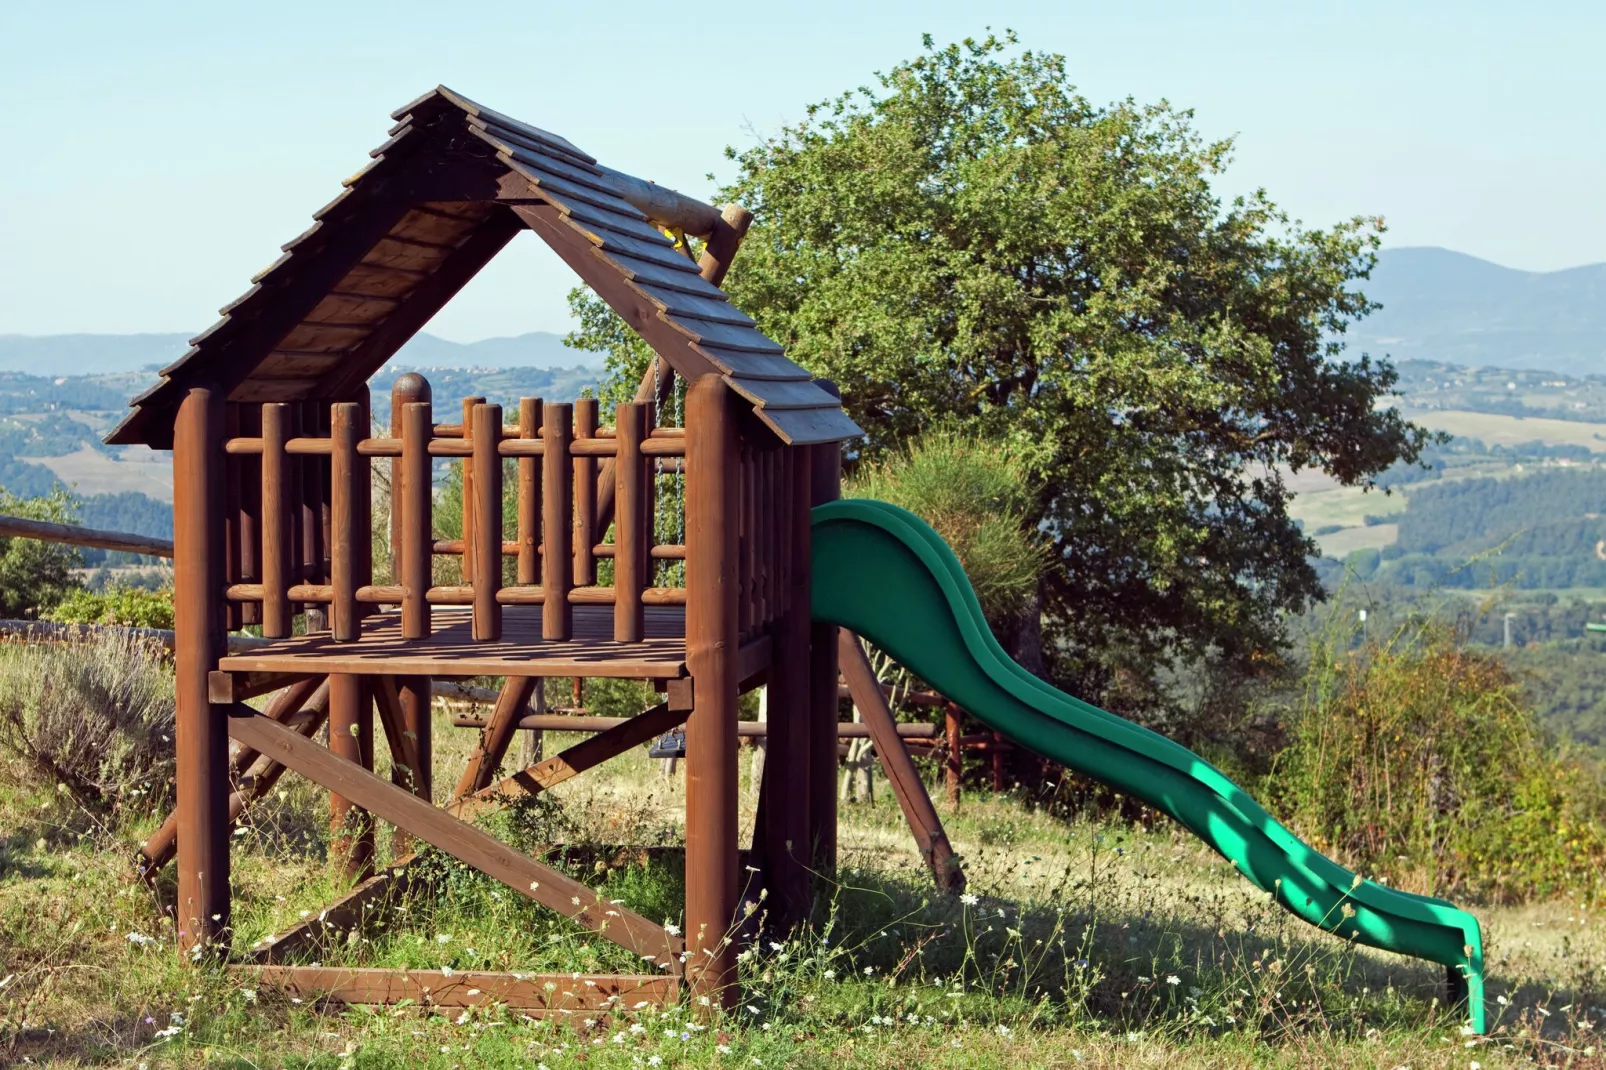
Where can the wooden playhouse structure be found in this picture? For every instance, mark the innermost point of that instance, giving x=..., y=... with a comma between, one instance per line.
x=268, y=420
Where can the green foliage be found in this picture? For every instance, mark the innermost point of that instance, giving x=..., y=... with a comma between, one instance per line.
x=92, y=718
x=1420, y=760
x=130, y=511
x=972, y=240
x=36, y=575
x=1559, y=511
x=975, y=494
x=133, y=606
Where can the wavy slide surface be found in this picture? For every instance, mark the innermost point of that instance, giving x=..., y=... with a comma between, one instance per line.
x=883, y=573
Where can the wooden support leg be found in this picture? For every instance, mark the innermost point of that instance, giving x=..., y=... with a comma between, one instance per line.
x=351, y=736
x=497, y=734
x=825, y=464
x=711, y=581
x=953, y=762
x=202, y=739
x=899, y=767
x=414, y=693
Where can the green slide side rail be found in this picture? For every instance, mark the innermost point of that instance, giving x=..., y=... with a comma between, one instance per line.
x=882, y=572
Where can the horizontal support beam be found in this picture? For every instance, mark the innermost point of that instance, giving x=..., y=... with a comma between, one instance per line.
x=534, y=994
x=21, y=528
x=557, y=722
x=668, y=446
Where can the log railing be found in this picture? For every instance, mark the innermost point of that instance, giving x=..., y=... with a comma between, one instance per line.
x=302, y=501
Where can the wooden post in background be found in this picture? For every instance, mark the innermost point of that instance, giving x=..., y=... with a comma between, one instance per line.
x=785, y=804
x=345, y=505
x=631, y=541
x=585, y=496
x=711, y=543
x=414, y=694
x=529, y=496
x=275, y=522
x=467, y=470
x=825, y=466
x=351, y=736
x=557, y=501
x=406, y=390
x=202, y=738
x=487, y=464
x=412, y=501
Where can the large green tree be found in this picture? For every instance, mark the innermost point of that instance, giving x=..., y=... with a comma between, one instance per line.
x=972, y=241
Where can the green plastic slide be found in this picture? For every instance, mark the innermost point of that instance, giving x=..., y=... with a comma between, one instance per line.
x=882, y=572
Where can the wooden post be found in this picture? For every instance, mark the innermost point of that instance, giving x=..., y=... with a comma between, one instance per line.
x=953, y=763
x=362, y=535
x=825, y=466
x=557, y=500
x=787, y=855
x=202, y=739
x=631, y=539
x=314, y=513
x=351, y=736
x=711, y=877
x=487, y=624
x=467, y=561
x=585, y=496
x=233, y=515
x=722, y=244
x=529, y=496
x=413, y=501
x=345, y=506
x=414, y=693
x=251, y=512
x=406, y=390
x=275, y=522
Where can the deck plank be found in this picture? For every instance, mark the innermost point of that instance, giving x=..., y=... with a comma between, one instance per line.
x=450, y=649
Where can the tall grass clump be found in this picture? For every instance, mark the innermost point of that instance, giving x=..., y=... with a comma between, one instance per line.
x=1422, y=761
x=94, y=717
x=975, y=493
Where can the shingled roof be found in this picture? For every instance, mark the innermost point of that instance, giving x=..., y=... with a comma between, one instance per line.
x=450, y=188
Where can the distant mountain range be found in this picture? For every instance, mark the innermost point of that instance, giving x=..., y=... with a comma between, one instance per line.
x=1437, y=305
x=94, y=354
x=1447, y=306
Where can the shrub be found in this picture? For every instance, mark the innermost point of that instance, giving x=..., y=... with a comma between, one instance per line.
x=95, y=717
x=1422, y=761
x=133, y=606
x=975, y=493
x=36, y=575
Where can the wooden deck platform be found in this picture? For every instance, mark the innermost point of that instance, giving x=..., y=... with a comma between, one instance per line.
x=451, y=651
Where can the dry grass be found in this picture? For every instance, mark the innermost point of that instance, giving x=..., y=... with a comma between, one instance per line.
x=88, y=975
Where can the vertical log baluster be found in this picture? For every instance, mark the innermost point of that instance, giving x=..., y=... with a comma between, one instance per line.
x=825, y=478
x=250, y=512
x=631, y=538
x=363, y=534
x=314, y=491
x=585, y=496
x=711, y=629
x=232, y=467
x=202, y=748
x=277, y=563
x=487, y=464
x=351, y=736
x=467, y=471
x=344, y=489
x=406, y=390
x=557, y=502
x=529, y=496
x=417, y=530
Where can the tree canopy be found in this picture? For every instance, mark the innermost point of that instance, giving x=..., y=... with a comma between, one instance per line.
x=970, y=242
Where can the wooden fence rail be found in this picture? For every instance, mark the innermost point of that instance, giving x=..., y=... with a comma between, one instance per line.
x=18, y=527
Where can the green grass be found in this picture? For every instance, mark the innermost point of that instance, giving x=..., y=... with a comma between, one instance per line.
x=1065, y=956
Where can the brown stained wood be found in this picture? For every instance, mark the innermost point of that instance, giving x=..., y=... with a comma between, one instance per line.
x=468, y=844
x=390, y=253
x=905, y=779
x=727, y=336
x=497, y=735
x=557, y=429
x=615, y=740
x=631, y=524
x=351, y=308
x=911, y=734
x=73, y=535
x=711, y=643
x=392, y=720
x=351, y=739
x=805, y=427
x=772, y=394
x=226, y=687
x=724, y=239
x=466, y=478
x=529, y=495
x=431, y=228
x=202, y=782
x=695, y=306
x=345, y=503
x=312, y=338
x=310, y=693
x=487, y=430
x=277, y=507
x=416, y=511
x=407, y=389
x=377, y=281
x=825, y=485
x=294, y=366
x=585, y=493
x=745, y=365
x=536, y=995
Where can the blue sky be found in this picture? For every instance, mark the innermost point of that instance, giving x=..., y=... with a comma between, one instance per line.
x=157, y=154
